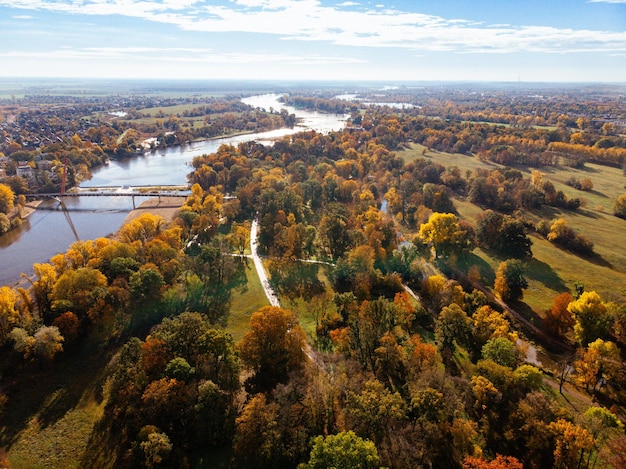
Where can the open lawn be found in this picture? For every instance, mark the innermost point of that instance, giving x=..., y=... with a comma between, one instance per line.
x=246, y=300
x=554, y=270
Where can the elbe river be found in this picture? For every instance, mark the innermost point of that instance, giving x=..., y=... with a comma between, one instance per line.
x=46, y=233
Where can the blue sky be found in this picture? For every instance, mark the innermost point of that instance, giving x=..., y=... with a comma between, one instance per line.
x=399, y=40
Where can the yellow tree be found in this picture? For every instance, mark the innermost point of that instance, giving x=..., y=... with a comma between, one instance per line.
x=142, y=229
x=7, y=198
x=571, y=443
x=446, y=236
x=82, y=291
x=595, y=362
x=45, y=278
x=591, y=319
x=9, y=312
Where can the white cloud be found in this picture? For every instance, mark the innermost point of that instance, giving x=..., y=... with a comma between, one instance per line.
x=607, y=1
x=22, y=17
x=309, y=20
x=178, y=54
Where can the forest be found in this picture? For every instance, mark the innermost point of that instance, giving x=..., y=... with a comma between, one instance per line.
x=414, y=329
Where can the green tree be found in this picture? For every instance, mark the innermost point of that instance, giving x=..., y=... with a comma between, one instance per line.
x=375, y=411
x=344, y=450
x=453, y=325
x=502, y=351
x=504, y=234
x=510, y=281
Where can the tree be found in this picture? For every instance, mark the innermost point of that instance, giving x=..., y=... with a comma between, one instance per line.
x=44, y=344
x=446, y=235
x=45, y=279
x=344, y=450
x=510, y=282
x=559, y=320
x=257, y=438
x=375, y=411
x=489, y=324
x=571, y=443
x=619, y=208
x=7, y=198
x=592, y=321
x=502, y=351
x=5, y=223
x=500, y=462
x=9, y=312
x=156, y=448
x=595, y=362
x=273, y=346
x=143, y=229
x=82, y=291
x=504, y=234
x=68, y=325
x=453, y=325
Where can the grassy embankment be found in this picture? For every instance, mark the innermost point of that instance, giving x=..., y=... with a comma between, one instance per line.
x=552, y=269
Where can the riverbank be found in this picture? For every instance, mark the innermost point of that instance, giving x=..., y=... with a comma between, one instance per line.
x=164, y=206
x=29, y=208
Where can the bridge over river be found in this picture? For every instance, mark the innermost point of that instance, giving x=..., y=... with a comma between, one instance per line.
x=119, y=191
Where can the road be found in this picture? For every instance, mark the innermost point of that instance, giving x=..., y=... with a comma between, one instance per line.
x=260, y=270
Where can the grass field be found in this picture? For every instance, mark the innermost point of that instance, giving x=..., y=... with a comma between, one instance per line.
x=246, y=300
x=554, y=270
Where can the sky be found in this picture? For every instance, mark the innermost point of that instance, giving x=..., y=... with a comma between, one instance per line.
x=348, y=40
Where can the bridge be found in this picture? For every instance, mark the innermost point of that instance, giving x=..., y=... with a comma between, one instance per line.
x=118, y=191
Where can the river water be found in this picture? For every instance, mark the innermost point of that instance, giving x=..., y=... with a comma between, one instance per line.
x=48, y=232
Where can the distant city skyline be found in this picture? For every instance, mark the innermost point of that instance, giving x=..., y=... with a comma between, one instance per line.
x=401, y=40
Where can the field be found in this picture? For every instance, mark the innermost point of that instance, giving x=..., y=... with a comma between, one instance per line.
x=554, y=270
x=246, y=300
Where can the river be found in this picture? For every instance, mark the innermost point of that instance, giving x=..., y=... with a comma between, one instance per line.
x=46, y=233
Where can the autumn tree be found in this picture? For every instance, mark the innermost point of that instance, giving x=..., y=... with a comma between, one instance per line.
x=510, y=281
x=273, y=346
x=82, y=291
x=595, y=362
x=446, y=235
x=559, y=320
x=156, y=448
x=44, y=344
x=490, y=324
x=592, y=322
x=571, y=443
x=619, y=208
x=375, y=411
x=500, y=462
x=42, y=286
x=9, y=312
x=7, y=198
x=257, y=438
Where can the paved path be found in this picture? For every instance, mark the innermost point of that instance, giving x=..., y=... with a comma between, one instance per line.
x=260, y=270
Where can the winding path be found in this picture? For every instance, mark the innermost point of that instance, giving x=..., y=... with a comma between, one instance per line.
x=260, y=270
